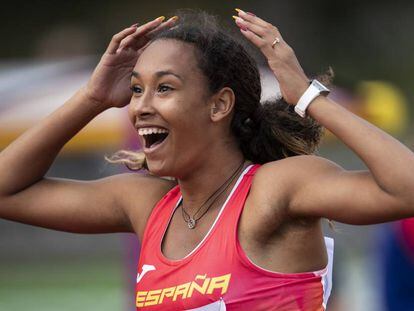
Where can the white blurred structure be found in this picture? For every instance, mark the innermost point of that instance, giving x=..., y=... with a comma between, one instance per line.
x=29, y=91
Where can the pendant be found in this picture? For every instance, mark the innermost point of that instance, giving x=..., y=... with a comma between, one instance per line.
x=191, y=223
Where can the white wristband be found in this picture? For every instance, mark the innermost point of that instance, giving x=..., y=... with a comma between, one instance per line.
x=314, y=90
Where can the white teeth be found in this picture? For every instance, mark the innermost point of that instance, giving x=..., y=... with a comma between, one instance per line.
x=151, y=130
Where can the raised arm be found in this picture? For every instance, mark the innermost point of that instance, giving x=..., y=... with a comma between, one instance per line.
x=96, y=206
x=317, y=187
x=384, y=193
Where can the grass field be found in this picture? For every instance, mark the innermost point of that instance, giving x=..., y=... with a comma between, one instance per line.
x=63, y=285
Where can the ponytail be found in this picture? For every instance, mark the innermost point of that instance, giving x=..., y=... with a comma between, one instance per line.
x=275, y=131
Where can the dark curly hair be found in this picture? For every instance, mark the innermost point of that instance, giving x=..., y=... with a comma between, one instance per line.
x=266, y=131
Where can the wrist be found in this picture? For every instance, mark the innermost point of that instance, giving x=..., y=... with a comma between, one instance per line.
x=88, y=99
x=314, y=90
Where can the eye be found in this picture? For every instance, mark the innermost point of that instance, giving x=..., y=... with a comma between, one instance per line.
x=136, y=89
x=162, y=88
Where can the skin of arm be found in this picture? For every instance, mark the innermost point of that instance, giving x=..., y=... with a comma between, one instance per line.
x=27, y=196
x=42, y=143
x=383, y=193
x=317, y=187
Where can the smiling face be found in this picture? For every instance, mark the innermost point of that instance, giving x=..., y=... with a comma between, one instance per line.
x=170, y=95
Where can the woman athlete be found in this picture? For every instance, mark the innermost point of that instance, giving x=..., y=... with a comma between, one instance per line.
x=240, y=226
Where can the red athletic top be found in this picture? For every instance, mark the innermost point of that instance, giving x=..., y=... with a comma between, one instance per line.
x=217, y=274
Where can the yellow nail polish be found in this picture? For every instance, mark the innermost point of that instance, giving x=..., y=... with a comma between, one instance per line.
x=175, y=18
x=239, y=11
x=161, y=18
x=235, y=17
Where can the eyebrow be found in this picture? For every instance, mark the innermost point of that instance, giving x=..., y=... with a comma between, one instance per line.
x=159, y=74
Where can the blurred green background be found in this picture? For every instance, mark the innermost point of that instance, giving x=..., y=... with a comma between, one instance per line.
x=48, y=49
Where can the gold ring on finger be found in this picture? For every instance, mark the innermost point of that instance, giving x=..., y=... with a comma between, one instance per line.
x=277, y=40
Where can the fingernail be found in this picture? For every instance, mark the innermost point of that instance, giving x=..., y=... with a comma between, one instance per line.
x=174, y=18
x=250, y=13
x=161, y=18
x=236, y=18
x=239, y=11
x=135, y=25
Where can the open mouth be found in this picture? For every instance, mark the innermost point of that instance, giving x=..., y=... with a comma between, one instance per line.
x=153, y=137
x=152, y=140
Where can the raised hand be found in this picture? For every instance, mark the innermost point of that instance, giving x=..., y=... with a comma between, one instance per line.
x=109, y=83
x=280, y=56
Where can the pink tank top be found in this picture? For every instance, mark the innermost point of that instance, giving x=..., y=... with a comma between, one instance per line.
x=217, y=274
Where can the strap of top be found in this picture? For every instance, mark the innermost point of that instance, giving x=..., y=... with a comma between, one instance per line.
x=232, y=213
x=253, y=170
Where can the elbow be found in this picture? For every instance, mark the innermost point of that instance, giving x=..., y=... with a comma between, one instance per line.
x=405, y=206
x=408, y=206
x=401, y=197
x=407, y=198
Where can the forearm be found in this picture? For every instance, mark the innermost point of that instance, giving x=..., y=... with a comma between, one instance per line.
x=28, y=158
x=390, y=162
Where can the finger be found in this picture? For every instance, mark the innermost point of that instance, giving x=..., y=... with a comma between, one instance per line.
x=270, y=36
x=255, y=39
x=117, y=38
x=168, y=24
x=243, y=24
x=144, y=29
x=251, y=18
x=141, y=36
x=265, y=30
x=266, y=47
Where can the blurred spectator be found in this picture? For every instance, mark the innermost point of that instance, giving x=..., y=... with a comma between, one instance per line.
x=399, y=267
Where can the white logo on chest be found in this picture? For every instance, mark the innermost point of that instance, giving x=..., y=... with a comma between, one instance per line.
x=145, y=269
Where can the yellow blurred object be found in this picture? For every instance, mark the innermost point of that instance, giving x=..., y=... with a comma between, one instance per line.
x=52, y=84
x=91, y=138
x=384, y=105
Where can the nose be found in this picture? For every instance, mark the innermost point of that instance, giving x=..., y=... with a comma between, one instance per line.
x=141, y=107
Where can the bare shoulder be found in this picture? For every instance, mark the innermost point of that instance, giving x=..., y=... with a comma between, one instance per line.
x=280, y=179
x=304, y=163
x=294, y=168
x=138, y=193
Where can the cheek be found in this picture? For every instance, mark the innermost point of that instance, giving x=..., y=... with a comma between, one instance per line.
x=175, y=110
x=193, y=130
x=192, y=118
x=131, y=113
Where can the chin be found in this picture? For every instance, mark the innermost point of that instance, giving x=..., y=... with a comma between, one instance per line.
x=158, y=168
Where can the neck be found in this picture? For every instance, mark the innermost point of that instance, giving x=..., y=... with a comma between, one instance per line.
x=198, y=186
